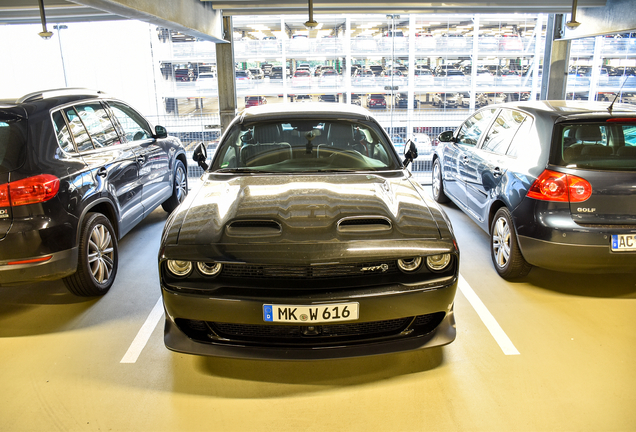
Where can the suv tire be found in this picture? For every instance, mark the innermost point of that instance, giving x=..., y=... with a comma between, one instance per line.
x=179, y=188
x=97, y=258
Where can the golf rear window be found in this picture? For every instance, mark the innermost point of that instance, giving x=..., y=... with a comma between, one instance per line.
x=602, y=146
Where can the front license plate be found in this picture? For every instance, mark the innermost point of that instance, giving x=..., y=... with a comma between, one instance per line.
x=318, y=314
x=624, y=242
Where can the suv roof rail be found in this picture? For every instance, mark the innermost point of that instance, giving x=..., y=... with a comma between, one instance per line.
x=59, y=92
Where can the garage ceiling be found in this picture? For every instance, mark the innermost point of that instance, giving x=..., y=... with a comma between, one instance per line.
x=277, y=7
x=27, y=11
x=202, y=18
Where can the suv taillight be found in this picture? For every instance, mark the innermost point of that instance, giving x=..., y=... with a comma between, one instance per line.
x=30, y=190
x=556, y=186
x=4, y=195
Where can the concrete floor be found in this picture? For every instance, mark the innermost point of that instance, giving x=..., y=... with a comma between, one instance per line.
x=61, y=370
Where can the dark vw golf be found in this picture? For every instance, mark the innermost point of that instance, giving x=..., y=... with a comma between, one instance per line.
x=307, y=239
x=552, y=182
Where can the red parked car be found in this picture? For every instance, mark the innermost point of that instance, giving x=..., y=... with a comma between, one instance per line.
x=251, y=101
x=376, y=101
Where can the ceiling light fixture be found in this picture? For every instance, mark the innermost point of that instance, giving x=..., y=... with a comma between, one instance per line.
x=44, y=34
x=572, y=24
x=311, y=23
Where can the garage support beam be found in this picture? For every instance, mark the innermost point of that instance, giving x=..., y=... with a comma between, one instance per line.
x=555, y=61
x=193, y=17
x=225, y=76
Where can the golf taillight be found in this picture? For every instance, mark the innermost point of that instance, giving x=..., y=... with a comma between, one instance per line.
x=556, y=186
x=30, y=190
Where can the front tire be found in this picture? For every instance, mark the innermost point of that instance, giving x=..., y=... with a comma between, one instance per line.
x=438, y=183
x=504, y=247
x=179, y=188
x=97, y=260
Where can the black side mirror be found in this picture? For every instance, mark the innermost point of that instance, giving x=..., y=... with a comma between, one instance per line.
x=446, y=136
x=410, y=152
x=160, y=132
x=200, y=155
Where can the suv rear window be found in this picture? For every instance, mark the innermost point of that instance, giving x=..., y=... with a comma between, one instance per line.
x=604, y=146
x=12, y=142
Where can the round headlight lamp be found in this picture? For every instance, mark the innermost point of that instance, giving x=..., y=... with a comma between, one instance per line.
x=438, y=262
x=209, y=268
x=409, y=264
x=179, y=268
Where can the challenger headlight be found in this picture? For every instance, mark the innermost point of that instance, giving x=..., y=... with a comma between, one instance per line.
x=209, y=268
x=409, y=264
x=179, y=268
x=438, y=262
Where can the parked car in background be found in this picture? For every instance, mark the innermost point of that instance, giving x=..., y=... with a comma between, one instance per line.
x=267, y=67
x=251, y=101
x=276, y=73
x=78, y=171
x=363, y=77
x=423, y=144
x=328, y=98
x=301, y=78
x=207, y=80
x=183, y=74
x=376, y=100
x=622, y=71
x=401, y=100
x=446, y=100
x=496, y=98
x=392, y=77
x=451, y=76
x=303, y=98
x=329, y=77
x=377, y=69
x=288, y=249
x=551, y=182
x=299, y=43
x=257, y=73
x=244, y=78
x=423, y=77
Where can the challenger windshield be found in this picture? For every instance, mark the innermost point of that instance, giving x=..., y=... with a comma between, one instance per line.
x=305, y=146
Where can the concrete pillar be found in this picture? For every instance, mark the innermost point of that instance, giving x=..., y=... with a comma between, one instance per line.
x=225, y=76
x=555, y=63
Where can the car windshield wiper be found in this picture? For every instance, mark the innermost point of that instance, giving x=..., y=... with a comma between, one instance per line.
x=242, y=171
x=335, y=170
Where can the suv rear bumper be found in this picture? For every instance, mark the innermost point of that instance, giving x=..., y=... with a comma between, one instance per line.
x=60, y=264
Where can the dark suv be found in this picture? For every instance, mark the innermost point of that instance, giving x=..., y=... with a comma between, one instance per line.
x=78, y=170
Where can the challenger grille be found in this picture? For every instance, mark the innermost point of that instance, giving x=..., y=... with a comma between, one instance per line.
x=307, y=272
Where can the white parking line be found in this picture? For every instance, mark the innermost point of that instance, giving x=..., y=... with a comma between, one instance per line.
x=145, y=331
x=491, y=323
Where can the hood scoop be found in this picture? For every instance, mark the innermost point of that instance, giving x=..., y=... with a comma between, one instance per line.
x=361, y=224
x=253, y=228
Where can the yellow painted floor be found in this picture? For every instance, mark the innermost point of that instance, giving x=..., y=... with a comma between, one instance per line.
x=60, y=364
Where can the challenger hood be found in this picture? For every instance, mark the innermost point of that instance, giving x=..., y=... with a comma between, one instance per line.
x=302, y=208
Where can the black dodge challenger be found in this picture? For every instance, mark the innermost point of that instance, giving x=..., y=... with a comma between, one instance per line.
x=307, y=239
